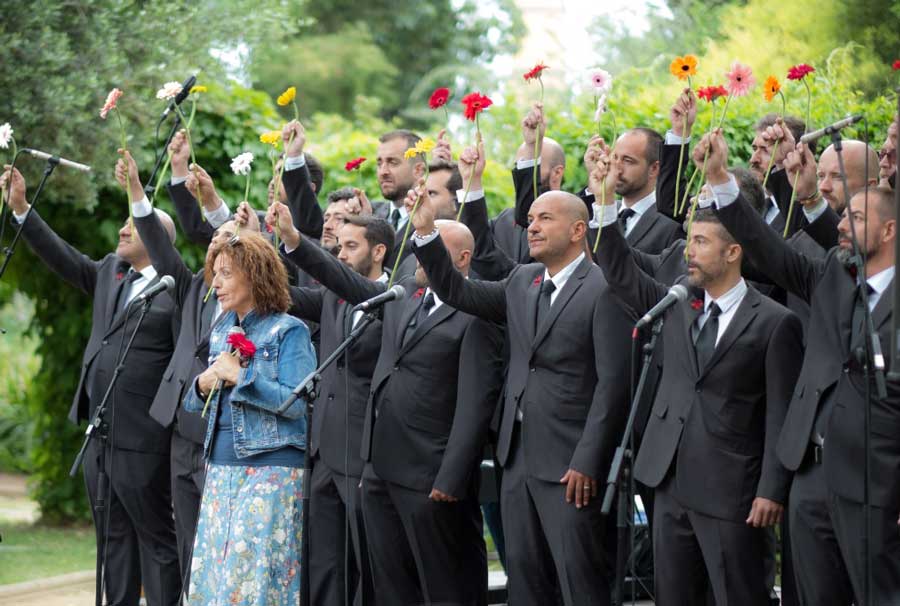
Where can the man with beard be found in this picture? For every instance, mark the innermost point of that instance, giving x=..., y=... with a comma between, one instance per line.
x=432, y=395
x=823, y=435
x=396, y=176
x=731, y=358
x=563, y=403
x=887, y=158
x=337, y=425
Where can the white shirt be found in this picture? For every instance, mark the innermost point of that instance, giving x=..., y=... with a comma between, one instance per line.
x=728, y=304
x=639, y=208
x=771, y=211
x=562, y=276
x=215, y=217
x=359, y=314
x=879, y=283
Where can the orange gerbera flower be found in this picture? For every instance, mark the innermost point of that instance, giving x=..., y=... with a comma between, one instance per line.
x=684, y=67
x=771, y=88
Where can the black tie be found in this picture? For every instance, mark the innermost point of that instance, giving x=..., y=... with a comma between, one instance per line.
x=395, y=218
x=859, y=317
x=547, y=288
x=626, y=214
x=706, y=338
x=130, y=278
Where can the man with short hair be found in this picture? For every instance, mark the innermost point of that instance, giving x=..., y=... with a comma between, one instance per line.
x=396, y=176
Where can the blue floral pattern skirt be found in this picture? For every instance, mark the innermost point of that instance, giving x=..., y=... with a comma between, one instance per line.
x=247, y=548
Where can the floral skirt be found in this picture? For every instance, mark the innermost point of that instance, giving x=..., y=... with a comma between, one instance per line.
x=247, y=548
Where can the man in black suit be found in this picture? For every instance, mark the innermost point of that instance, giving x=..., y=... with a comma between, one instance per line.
x=822, y=439
x=337, y=425
x=565, y=398
x=731, y=358
x=431, y=398
x=141, y=546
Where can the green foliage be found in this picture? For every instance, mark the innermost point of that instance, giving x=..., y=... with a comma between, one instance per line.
x=18, y=350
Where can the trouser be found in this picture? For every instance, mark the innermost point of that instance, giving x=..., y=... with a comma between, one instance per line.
x=553, y=550
x=141, y=547
x=338, y=574
x=422, y=551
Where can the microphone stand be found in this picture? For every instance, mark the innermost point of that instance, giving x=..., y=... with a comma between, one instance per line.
x=306, y=389
x=52, y=162
x=873, y=364
x=150, y=187
x=620, y=472
x=99, y=426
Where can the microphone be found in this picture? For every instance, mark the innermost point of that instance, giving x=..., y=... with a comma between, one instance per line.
x=62, y=161
x=676, y=294
x=186, y=87
x=165, y=283
x=830, y=129
x=392, y=294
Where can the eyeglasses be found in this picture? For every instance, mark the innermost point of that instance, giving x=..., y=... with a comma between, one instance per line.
x=890, y=154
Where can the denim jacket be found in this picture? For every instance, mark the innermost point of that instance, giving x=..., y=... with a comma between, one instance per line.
x=284, y=357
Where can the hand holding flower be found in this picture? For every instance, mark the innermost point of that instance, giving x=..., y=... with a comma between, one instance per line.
x=245, y=217
x=442, y=151
x=226, y=368
x=717, y=161
x=533, y=127
x=471, y=165
x=781, y=139
x=421, y=212
x=207, y=380
x=278, y=216
x=801, y=169
x=359, y=204
x=683, y=113
x=179, y=154
x=201, y=186
x=294, y=136
x=127, y=174
x=593, y=152
x=16, y=200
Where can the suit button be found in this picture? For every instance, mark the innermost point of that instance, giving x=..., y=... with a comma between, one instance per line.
x=818, y=392
x=240, y=429
x=532, y=369
x=396, y=368
x=105, y=342
x=697, y=390
x=339, y=365
x=331, y=396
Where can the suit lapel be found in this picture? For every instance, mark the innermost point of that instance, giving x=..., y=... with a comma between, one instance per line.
x=689, y=317
x=531, y=299
x=845, y=317
x=412, y=306
x=743, y=316
x=114, y=293
x=643, y=225
x=879, y=316
x=439, y=315
x=121, y=314
x=572, y=285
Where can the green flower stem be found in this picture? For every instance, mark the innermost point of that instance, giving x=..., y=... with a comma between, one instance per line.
x=15, y=150
x=124, y=138
x=537, y=140
x=280, y=175
x=408, y=225
x=680, y=162
x=208, y=293
x=247, y=188
x=771, y=162
x=687, y=190
x=694, y=205
x=787, y=222
x=808, y=104
x=469, y=180
x=725, y=111
x=168, y=163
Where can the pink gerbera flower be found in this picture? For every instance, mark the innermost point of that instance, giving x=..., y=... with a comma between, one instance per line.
x=740, y=80
x=111, y=99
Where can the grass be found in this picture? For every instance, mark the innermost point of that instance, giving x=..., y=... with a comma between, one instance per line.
x=33, y=551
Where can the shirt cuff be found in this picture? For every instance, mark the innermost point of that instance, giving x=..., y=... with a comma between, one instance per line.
x=219, y=216
x=141, y=208
x=724, y=194
x=673, y=139
x=528, y=163
x=177, y=180
x=604, y=215
x=423, y=240
x=471, y=197
x=293, y=163
x=20, y=218
x=817, y=211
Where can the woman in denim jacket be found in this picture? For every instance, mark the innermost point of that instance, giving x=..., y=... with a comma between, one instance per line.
x=247, y=547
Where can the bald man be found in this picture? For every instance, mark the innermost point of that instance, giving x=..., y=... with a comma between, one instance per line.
x=565, y=396
x=133, y=454
x=433, y=392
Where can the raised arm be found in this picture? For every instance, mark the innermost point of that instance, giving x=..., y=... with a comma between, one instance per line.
x=187, y=187
x=311, y=258
x=533, y=129
x=63, y=259
x=160, y=247
x=299, y=191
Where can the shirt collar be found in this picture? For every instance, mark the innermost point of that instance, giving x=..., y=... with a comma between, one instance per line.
x=383, y=277
x=880, y=281
x=559, y=280
x=148, y=273
x=642, y=205
x=771, y=209
x=437, y=299
x=728, y=300
x=403, y=212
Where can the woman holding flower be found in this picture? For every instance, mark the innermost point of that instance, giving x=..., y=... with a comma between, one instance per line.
x=247, y=546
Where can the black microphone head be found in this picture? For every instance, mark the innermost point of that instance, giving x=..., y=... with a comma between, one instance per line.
x=168, y=281
x=679, y=291
x=398, y=291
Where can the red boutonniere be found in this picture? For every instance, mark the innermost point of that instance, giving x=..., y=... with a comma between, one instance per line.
x=537, y=281
x=419, y=293
x=242, y=345
x=696, y=304
x=341, y=301
x=119, y=276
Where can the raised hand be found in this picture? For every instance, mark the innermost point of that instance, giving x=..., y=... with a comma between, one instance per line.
x=533, y=128
x=782, y=135
x=293, y=147
x=201, y=186
x=245, y=217
x=683, y=113
x=442, y=151
x=711, y=153
x=593, y=152
x=12, y=180
x=278, y=216
x=127, y=174
x=471, y=165
x=423, y=217
x=179, y=154
x=359, y=204
x=801, y=169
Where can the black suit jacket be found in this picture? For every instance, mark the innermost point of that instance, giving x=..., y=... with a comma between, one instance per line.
x=569, y=375
x=723, y=421
x=192, y=345
x=433, y=395
x=831, y=365
x=328, y=435
x=130, y=422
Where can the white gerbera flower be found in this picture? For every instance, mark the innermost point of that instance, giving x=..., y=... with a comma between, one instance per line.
x=241, y=163
x=168, y=91
x=6, y=133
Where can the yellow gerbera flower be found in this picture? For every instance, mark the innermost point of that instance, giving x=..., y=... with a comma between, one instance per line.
x=287, y=96
x=198, y=89
x=271, y=137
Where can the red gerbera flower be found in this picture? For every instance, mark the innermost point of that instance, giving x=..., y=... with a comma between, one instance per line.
x=535, y=72
x=354, y=164
x=242, y=345
x=896, y=65
x=798, y=72
x=711, y=93
x=439, y=98
x=475, y=104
